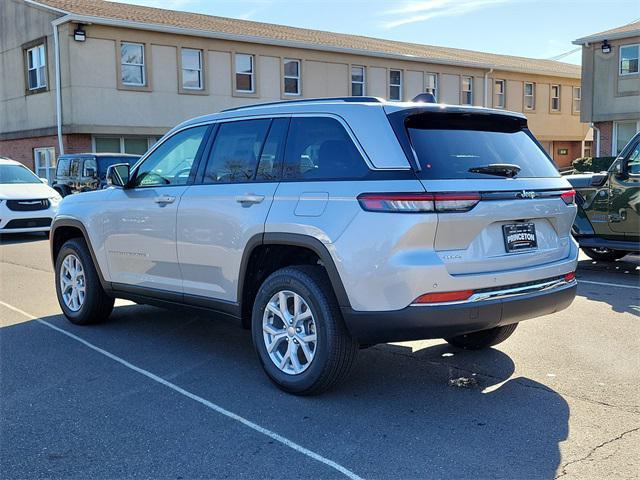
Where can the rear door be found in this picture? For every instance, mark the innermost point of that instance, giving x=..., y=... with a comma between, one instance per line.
x=229, y=204
x=491, y=165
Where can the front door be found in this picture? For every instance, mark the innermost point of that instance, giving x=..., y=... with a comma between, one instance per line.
x=228, y=206
x=44, y=160
x=140, y=220
x=624, y=193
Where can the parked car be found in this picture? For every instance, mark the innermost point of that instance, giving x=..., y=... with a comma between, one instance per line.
x=607, y=225
x=82, y=172
x=324, y=225
x=27, y=203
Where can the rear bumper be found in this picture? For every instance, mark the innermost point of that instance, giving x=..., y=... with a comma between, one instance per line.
x=592, y=241
x=418, y=322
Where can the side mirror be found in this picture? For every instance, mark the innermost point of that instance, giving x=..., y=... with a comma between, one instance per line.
x=44, y=180
x=118, y=175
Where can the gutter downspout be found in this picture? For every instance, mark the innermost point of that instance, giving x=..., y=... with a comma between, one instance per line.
x=597, y=130
x=56, y=44
x=486, y=87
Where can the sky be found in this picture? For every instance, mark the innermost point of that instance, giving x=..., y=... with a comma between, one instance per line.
x=528, y=28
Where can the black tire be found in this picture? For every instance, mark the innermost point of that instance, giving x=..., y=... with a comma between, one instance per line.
x=483, y=338
x=335, y=349
x=604, y=254
x=97, y=305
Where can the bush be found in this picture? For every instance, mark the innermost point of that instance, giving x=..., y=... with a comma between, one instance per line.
x=592, y=164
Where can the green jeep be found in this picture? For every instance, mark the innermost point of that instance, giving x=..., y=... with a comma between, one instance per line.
x=607, y=226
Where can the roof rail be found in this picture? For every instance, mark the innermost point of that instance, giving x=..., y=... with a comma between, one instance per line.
x=306, y=100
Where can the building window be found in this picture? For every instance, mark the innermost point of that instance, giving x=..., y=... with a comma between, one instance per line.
x=431, y=84
x=44, y=160
x=587, y=149
x=132, y=64
x=36, y=67
x=577, y=97
x=357, y=81
x=499, y=89
x=133, y=145
x=529, y=96
x=191, y=69
x=629, y=59
x=623, y=132
x=555, y=98
x=245, y=72
x=466, y=97
x=395, y=85
x=291, y=77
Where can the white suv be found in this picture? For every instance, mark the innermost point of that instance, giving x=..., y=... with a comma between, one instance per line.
x=325, y=225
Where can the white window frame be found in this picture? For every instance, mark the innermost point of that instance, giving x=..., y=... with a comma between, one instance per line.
x=434, y=89
x=533, y=96
x=297, y=78
x=577, y=98
x=38, y=52
x=50, y=163
x=199, y=70
x=144, y=68
x=363, y=82
x=552, y=98
x=614, y=136
x=399, y=85
x=637, y=45
x=502, y=95
x=252, y=73
x=464, y=92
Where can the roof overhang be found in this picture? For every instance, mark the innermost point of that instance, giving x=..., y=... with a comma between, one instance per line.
x=115, y=22
x=600, y=37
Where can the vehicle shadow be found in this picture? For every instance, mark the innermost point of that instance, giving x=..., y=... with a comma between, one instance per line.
x=624, y=272
x=15, y=238
x=400, y=414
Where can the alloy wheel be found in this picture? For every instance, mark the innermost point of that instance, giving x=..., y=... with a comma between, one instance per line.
x=72, y=282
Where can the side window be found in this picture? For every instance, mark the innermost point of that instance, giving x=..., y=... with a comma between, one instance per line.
x=90, y=167
x=633, y=160
x=74, y=167
x=235, y=152
x=170, y=164
x=320, y=149
x=63, y=167
x=270, y=163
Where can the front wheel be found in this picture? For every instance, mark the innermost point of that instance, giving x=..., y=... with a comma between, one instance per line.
x=298, y=331
x=604, y=254
x=80, y=294
x=483, y=338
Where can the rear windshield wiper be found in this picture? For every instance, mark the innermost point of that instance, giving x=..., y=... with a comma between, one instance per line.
x=500, y=169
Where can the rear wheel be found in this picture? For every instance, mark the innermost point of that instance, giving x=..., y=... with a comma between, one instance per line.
x=298, y=331
x=604, y=254
x=483, y=338
x=80, y=294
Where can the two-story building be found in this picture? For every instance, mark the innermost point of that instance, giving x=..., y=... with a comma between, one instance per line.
x=91, y=75
x=611, y=87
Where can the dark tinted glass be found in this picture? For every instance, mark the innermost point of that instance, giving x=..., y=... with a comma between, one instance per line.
x=448, y=146
x=234, y=156
x=63, y=167
x=321, y=149
x=270, y=164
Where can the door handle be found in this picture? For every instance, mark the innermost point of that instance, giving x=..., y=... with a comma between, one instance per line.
x=249, y=199
x=165, y=199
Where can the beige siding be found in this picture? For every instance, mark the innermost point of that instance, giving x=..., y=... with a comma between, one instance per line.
x=376, y=82
x=449, y=89
x=413, y=84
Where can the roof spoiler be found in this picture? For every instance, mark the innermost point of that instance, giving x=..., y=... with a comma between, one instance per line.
x=424, y=98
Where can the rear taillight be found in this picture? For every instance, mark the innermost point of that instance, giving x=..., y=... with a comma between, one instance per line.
x=569, y=197
x=418, y=202
x=440, y=297
x=569, y=277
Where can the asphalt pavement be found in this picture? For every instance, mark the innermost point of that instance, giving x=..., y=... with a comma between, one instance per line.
x=154, y=393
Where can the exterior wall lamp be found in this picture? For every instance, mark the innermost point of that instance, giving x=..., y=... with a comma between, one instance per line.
x=606, y=48
x=79, y=35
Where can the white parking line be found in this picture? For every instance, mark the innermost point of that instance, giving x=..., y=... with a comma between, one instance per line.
x=279, y=438
x=605, y=284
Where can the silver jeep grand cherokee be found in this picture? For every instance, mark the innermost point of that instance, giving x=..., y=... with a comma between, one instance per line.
x=324, y=225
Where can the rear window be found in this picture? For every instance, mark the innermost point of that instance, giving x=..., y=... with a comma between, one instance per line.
x=451, y=146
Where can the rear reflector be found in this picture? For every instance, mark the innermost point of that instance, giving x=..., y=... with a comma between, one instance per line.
x=569, y=197
x=570, y=277
x=419, y=202
x=444, y=297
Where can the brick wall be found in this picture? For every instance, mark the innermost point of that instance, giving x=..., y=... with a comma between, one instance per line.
x=21, y=150
x=606, y=137
x=574, y=150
